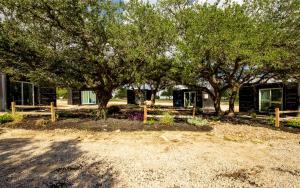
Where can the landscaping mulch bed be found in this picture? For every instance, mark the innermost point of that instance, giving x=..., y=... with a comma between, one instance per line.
x=108, y=125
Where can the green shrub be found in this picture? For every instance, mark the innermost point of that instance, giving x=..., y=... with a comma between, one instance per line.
x=253, y=115
x=5, y=118
x=216, y=118
x=151, y=121
x=294, y=122
x=62, y=93
x=167, y=119
x=197, y=121
x=271, y=120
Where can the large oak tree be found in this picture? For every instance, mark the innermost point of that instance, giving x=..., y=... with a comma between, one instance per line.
x=77, y=43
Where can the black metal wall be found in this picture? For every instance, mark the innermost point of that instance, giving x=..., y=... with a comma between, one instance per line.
x=249, y=96
x=74, y=97
x=42, y=95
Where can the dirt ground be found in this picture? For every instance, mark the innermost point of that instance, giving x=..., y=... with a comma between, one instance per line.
x=226, y=156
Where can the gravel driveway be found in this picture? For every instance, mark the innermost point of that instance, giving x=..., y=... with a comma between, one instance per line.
x=228, y=156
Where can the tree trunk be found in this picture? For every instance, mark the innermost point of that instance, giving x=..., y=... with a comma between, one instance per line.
x=103, y=97
x=141, y=96
x=217, y=100
x=217, y=104
x=232, y=99
x=153, y=95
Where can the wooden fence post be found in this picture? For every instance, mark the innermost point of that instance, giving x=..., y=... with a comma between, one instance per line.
x=277, y=116
x=53, y=118
x=194, y=112
x=13, y=108
x=145, y=114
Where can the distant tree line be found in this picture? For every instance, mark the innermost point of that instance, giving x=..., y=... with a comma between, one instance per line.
x=105, y=45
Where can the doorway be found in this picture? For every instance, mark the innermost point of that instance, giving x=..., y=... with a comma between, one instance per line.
x=269, y=99
x=88, y=97
x=22, y=93
x=189, y=99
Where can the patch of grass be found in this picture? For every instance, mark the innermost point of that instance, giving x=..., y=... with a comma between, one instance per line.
x=271, y=120
x=197, y=121
x=294, y=122
x=151, y=121
x=167, y=119
x=6, y=118
x=253, y=115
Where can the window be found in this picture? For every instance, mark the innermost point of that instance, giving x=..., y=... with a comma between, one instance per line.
x=22, y=93
x=88, y=97
x=189, y=99
x=269, y=99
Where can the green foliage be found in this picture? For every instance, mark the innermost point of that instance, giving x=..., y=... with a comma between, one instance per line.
x=253, y=115
x=5, y=118
x=294, y=122
x=121, y=93
x=151, y=121
x=62, y=93
x=197, y=121
x=271, y=120
x=167, y=119
x=153, y=35
x=167, y=93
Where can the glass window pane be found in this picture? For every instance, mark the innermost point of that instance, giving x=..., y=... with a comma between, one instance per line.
x=264, y=106
x=27, y=94
x=265, y=95
x=16, y=92
x=276, y=95
x=88, y=97
x=92, y=97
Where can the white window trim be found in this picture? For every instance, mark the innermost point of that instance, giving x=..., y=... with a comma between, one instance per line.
x=89, y=97
x=259, y=95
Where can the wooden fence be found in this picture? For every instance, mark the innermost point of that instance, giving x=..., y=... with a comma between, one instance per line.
x=278, y=112
x=14, y=108
x=146, y=115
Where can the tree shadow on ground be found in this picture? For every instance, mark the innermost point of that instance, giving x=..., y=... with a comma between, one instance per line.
x=61, y=164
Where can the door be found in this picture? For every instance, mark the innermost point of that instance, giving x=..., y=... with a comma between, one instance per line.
x=88, y=97
x=269, y=99
x=22, y=93
x=189, y=99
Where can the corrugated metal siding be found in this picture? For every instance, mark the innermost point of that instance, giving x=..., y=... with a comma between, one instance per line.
x=74, y=97
x=247, y=99
x=47, y=95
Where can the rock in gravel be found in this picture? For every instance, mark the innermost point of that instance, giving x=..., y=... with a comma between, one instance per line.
x=173, y=138
x=164, y=138
x=117, y=131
